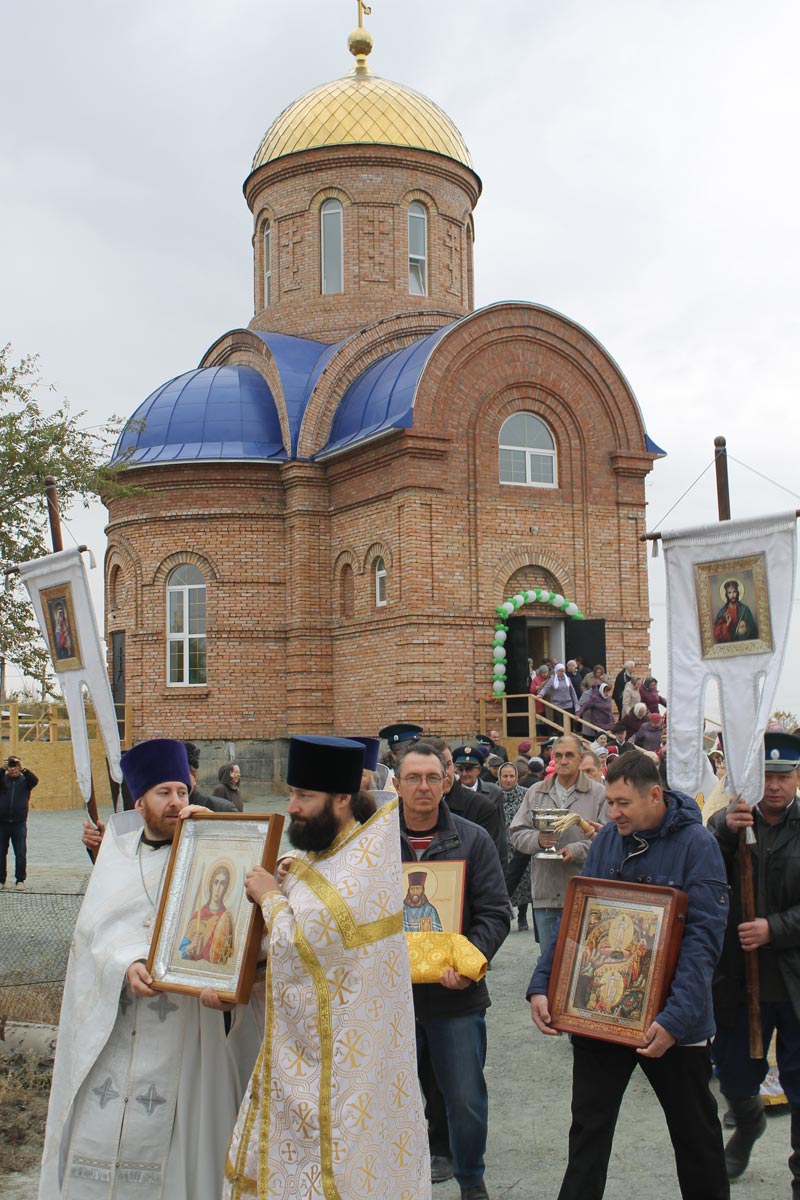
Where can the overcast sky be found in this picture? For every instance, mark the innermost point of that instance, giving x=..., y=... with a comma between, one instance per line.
x=640, y=174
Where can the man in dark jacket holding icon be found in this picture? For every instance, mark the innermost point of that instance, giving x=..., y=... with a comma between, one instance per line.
x=653, y=837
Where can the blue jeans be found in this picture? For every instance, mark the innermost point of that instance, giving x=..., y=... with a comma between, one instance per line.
x=15, y=832
x=547, y=920
x=456, y=1047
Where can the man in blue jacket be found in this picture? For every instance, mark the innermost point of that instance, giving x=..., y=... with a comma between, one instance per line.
x=653, y=837
x=450, y=1014
x=16, y=785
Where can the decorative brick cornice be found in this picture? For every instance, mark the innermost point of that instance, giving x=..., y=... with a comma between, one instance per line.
x=330, y=159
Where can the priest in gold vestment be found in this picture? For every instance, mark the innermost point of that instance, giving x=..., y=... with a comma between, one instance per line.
x=333, y=1108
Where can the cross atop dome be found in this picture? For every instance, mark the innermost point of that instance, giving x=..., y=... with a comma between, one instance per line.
x=361, y=41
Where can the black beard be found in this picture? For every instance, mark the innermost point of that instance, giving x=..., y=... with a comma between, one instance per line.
x=314, y=833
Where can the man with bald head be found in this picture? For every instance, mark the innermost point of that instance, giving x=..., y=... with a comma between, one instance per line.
x=568, y=788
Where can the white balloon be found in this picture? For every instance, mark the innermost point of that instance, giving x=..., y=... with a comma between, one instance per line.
x=508, y=606
x=499, y=653
x=544, y=596
x=571, y=609
x=519, y=598
x=498, y=687
x=556, y=600
x=499, y=668
x=531, y=595
x=500, y=636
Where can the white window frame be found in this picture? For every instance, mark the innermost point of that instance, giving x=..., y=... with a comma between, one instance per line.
x=267, y=263
x=183, y=636
x=329, y=209
x=530, y=454
x=417, y=212
x=381, y=574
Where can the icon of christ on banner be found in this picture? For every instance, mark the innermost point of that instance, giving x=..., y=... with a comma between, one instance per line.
x=733, y=607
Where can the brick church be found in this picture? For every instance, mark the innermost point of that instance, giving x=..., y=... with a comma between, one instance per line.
x=336, y=499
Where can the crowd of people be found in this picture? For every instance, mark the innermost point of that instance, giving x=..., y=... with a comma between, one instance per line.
x=346, y=1076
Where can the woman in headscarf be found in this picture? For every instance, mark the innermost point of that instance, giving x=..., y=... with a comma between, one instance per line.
x=630, y=694
x=228, y=785
x=595, y=707
x=513, y=795
x=559, y=690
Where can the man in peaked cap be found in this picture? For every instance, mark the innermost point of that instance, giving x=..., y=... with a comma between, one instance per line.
x=131, y=1110
x=334, y=1097
x=469, y=761
x=774, y=936
x=398, y=737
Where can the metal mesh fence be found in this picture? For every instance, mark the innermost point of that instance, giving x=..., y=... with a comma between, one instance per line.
x=35, y=933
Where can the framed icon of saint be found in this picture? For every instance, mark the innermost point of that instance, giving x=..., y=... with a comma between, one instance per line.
x=207, y=933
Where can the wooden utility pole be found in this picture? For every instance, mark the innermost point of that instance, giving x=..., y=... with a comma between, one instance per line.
x=745, y=857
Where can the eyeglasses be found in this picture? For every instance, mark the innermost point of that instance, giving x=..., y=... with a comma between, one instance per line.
x=416, y=781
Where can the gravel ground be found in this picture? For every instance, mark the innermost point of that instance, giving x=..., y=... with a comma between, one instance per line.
x=528, y=1077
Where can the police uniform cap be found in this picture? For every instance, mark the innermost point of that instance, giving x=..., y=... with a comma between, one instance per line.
x=483, y=739
x=467, y=756
x=781, y=752
x=400, y=732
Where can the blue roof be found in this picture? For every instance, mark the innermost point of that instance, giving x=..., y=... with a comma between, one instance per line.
x=382, y=397
x=228, y=413
x=300, y=363
x=212, y=413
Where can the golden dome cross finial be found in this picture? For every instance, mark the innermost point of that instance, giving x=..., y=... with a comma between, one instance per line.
x=360, y=41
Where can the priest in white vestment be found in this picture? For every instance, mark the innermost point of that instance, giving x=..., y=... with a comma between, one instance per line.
x=146, y=1085
x=333, y=1110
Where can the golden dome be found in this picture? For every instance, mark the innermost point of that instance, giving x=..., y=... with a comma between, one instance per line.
x=362, y=109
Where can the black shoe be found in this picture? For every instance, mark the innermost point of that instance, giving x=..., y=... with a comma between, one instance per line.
x=475, y=1193
x=441, y=1168
x=750, y=1125
x=522, y=925
x=729, y=1120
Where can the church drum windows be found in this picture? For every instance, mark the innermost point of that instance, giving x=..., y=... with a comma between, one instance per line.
x=186, y=627
x=332, y=247
x=267, y=263
x=417, y=249
x=527, y=452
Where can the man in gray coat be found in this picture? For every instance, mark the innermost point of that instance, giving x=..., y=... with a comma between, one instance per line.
x=570, y=789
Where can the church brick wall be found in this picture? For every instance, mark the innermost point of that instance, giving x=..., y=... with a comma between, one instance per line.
x=375, y=185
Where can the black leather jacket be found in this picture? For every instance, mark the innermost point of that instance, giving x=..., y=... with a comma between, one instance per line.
x=777, y=852
x=15, y=794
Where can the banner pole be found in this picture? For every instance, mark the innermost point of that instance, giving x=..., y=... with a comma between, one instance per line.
x=54, y=516
x=745, y=858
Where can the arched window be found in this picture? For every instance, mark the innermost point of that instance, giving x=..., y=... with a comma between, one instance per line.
x=347, y=587
x=527, y=452
x=332, y=256
x=186, y=626
x=267, y=263
x=417, y=250
x=379, y=567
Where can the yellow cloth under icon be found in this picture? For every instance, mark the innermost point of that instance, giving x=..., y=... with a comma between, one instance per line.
x=432, y=953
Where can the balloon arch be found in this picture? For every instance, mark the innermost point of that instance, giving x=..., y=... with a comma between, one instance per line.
x=504, y=610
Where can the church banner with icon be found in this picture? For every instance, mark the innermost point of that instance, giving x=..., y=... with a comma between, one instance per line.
x=58, y=587
x=730, y=588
